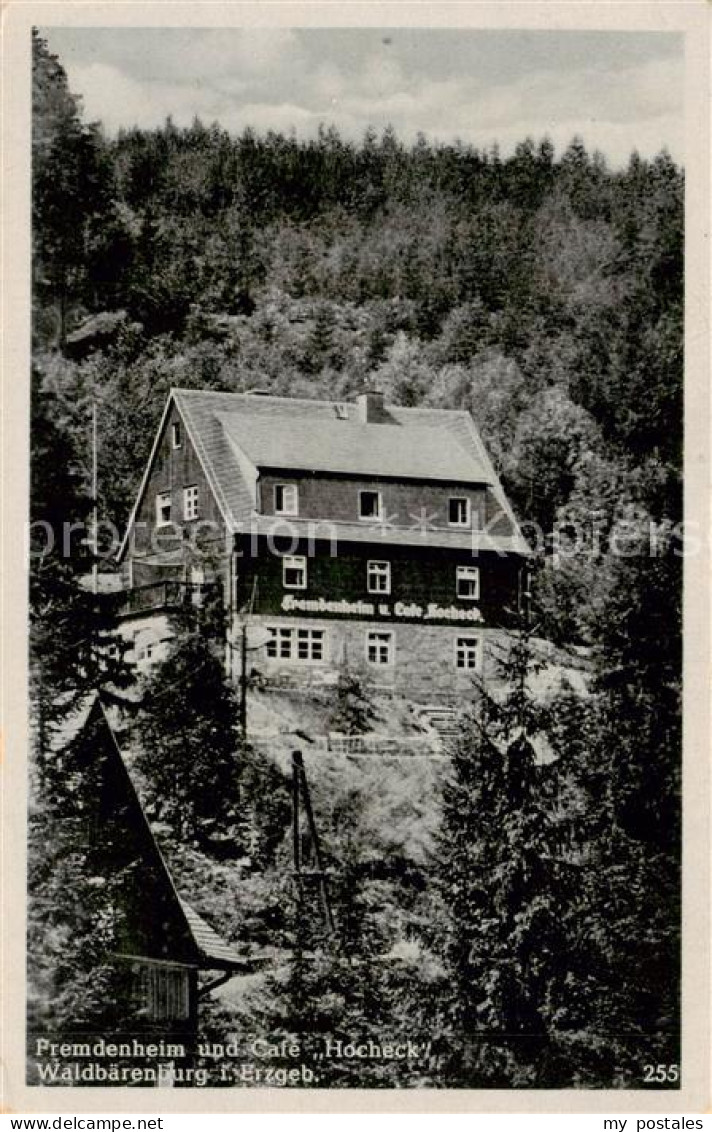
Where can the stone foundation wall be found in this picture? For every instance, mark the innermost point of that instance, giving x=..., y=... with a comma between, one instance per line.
x=424, y=664
x=424, y=656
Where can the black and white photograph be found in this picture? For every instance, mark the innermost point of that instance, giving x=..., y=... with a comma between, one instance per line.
x=355, y=560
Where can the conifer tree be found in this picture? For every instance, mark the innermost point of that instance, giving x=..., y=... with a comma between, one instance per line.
x=73, y=646
x=188, y=747
x=73, y=221
x=625, y=985
x=352, y=711
x=336, y=984
x=501, y=891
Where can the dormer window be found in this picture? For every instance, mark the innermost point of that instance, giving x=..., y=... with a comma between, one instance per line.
x=459, y=511
x=176, y=436
x=163, y=508
x=286, y=499
x=370, y=505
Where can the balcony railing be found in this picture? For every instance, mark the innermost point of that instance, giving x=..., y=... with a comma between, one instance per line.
x=164, y=596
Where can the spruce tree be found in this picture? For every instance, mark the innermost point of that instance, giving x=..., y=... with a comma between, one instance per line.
x=73, y=644
x=74, y=652
x=74, y=222
x=188, y=747
x=336, y=985
x=352, y=711
x=622, y=1001
x=501, y=892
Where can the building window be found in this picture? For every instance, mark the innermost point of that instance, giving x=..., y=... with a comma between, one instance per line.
x=459, y=511
x=163, y=508
x=176, y=435
x=310, y=644
x=468, y=653
x=305, y=645
x=379, y=648
x=294, y=572
x=286, y=500
x=468, y=582
x=379, y=577
x=190, y=502
x=280, y=646
x=369, y=505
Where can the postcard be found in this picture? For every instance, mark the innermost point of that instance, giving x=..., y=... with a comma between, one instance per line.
x=356, y=594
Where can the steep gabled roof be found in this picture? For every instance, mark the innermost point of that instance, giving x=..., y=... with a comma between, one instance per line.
x=235, y=435
x=420, y=452
x=115, y=821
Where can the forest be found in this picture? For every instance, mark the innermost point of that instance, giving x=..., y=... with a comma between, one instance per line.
x=542, y=293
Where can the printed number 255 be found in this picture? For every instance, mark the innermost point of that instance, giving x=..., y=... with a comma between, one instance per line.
x=659, y=1073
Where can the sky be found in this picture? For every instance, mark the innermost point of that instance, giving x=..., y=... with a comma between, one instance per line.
x=619, y=91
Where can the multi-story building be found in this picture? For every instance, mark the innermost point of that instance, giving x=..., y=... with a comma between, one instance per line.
x=359, y=534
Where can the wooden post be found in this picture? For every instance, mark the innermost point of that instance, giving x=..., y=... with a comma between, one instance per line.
x=296, y=839
x=299, y=783
x=525, y=595
x=243, y=680
x=95, y=502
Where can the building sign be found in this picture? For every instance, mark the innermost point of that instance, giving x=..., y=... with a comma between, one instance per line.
x=399, y=609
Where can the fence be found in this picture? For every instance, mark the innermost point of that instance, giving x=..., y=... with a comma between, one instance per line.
x=162, y=595
x=412, y=746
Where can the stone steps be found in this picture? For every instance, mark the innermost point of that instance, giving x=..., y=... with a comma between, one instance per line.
x=441, y=718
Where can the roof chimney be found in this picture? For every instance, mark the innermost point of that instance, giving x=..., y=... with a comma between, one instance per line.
x=370, y=407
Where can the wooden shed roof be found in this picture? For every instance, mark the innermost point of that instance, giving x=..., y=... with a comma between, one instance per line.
x=117, y=824
x=215, y=951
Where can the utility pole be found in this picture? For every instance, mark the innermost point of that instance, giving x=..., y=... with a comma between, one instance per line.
x=300, y=792
x=243, y=659
x=95, y=512
x=525, y=596
x=243, y=680
x=525, y=634
x=296, y=834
